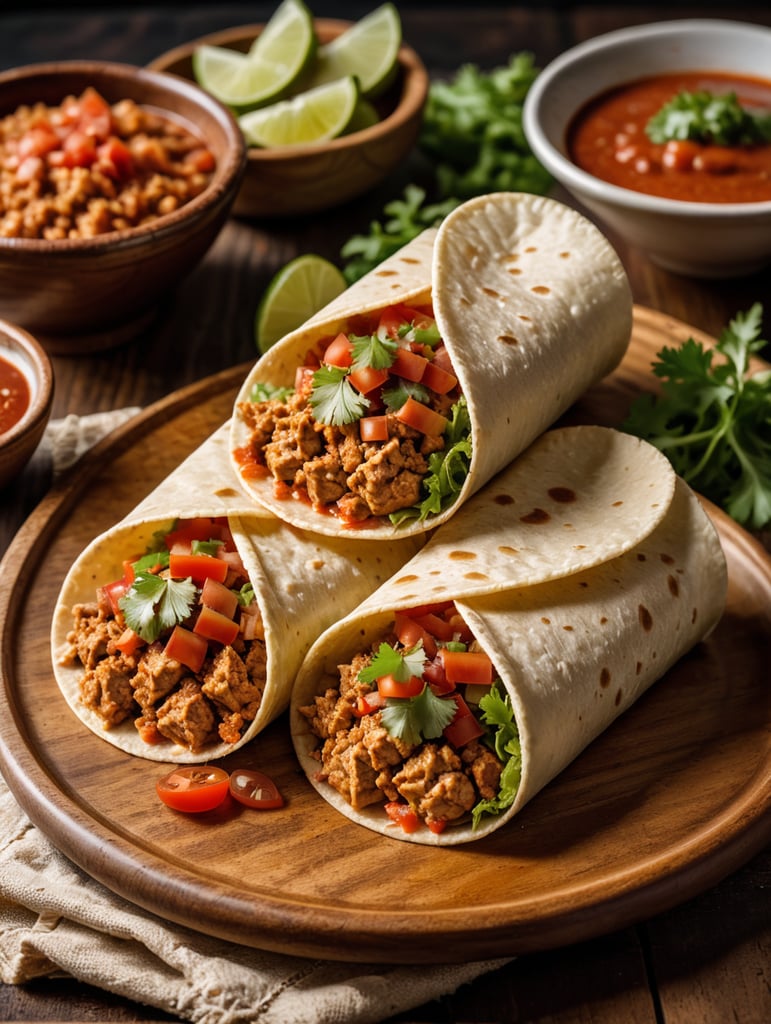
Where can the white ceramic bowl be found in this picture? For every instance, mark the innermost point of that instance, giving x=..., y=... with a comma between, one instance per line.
x=694, y=238
x=27, y=356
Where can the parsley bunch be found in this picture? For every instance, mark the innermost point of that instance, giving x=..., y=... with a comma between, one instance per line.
x=704, y=117
x=713, y=419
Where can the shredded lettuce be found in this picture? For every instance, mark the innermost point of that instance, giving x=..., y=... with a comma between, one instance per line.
x=498, y=714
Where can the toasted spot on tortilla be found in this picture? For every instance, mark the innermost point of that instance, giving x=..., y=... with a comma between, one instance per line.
x=226, y=492
x=618, y=504
x=667, y=559
x=492, y=293
x=531, y=248
x=503, y=499
x=694, y=614
x=410, y=260
x=565, y=255
x=411, y=578
x=562, y=494
x=618, y=698
x=506, y=550
x=603, y=619
x=604, y=677
x=514, y=270
x=645, y=618
x=316, y=563
x=541, y=289
x=568, y=629
x=538, y=515
x=579, y=547
x=674, y=586
x=524, y=317
x=459, y=555
x=641, y=557
x=507, y=339
x=545, y=621
x=475, y=576
x=385, y=273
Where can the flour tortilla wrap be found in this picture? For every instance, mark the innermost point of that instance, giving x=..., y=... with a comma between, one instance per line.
x=584, y=571
x=533, y=305
x=302, y=582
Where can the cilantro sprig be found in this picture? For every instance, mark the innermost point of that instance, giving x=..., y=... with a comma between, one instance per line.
x=413, y=719
x=713, y=419
x=498, y=713
x=153, y=604
x=402, y=665
x=704, y=117
x=334, y=399
x=371, y=350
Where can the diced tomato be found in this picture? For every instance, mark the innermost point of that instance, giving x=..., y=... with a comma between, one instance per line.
x=467, y=666
x=438, y=379
x=459, y=626
x=93, y=114
x=409, y=632
x=199, y=528
x=421, y=418
x=409, y=365
x=339, y=352
x=218, y=597
x=129, y=641
x=215, y=626
x=433, y=672
x=198, y=567
x=367, y=378
x=79, y=149
x=369, y=702
x=463, y=730
x=402, y=814
x=114, y=592
x=303, y=379
x=115, y=159
x=390, y=321
x=201, y=160
x=436, y=626
x=194, y=788
x=373, y=428
x=37, y=141
x=437, y=827
x=186, y=648
x=389, y=687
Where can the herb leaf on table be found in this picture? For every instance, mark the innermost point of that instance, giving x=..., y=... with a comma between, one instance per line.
x=713, y=419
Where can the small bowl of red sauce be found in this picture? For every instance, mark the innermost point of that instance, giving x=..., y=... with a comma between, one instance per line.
x=26, y=393
x=663, y=131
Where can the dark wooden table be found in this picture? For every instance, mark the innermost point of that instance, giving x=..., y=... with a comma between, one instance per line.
x=705, y=962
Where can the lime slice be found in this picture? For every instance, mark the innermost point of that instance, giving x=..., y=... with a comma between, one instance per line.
x=369, y=50
x=313, y=116
x=300, y=289
x=364, y=116
x=278, y=58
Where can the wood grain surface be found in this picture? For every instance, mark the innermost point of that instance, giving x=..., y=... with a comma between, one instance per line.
x=668, y=801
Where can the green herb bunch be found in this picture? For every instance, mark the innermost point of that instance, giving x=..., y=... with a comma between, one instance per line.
x=704, y=117
x=713, y=419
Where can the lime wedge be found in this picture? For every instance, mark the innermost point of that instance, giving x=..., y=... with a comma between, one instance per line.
x=364, y=116
x=368, y=49
x=278, y=58
x=313, y=116
x=300, y=289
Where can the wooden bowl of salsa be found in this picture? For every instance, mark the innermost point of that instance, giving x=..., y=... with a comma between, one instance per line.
x=664, y=132
x=26, y=394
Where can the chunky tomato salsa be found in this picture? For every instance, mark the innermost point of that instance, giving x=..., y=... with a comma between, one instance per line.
x=419, y=725
x=680, y=136
x=375, y=426
x=14, y=395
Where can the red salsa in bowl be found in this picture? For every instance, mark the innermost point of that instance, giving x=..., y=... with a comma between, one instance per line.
x=608, y=139
x=14, y=395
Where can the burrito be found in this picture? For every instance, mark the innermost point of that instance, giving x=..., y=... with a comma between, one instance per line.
x=384, y=412
x=524, y=627
x=177, y=633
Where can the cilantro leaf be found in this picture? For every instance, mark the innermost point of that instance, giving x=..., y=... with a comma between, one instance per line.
x=712, y=419
x=206, y=547
x=371, y=350
x=246, y=595
x=152, y=560
x=334, y=399
x=395, y=397
x=704, y=117
x=497, y=711
x=153, y=604
x=415, y=718
x=401, y=665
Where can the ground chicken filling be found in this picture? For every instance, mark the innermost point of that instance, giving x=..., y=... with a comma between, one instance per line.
x=373, y=415
x=427, y=757
x=86, y=168
x=195, y=681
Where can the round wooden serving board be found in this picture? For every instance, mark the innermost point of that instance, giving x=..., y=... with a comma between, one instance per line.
x=668, y=801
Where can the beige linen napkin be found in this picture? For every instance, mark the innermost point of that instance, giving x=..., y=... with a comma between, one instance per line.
x=55, y=919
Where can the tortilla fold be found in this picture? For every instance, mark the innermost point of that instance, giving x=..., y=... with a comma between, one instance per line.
x=585, y=571
x=534, y=307
x=303, y=583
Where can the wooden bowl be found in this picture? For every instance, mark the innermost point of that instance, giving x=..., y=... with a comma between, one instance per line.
x=291, y=180
x=86, y=294
x=26, y=355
